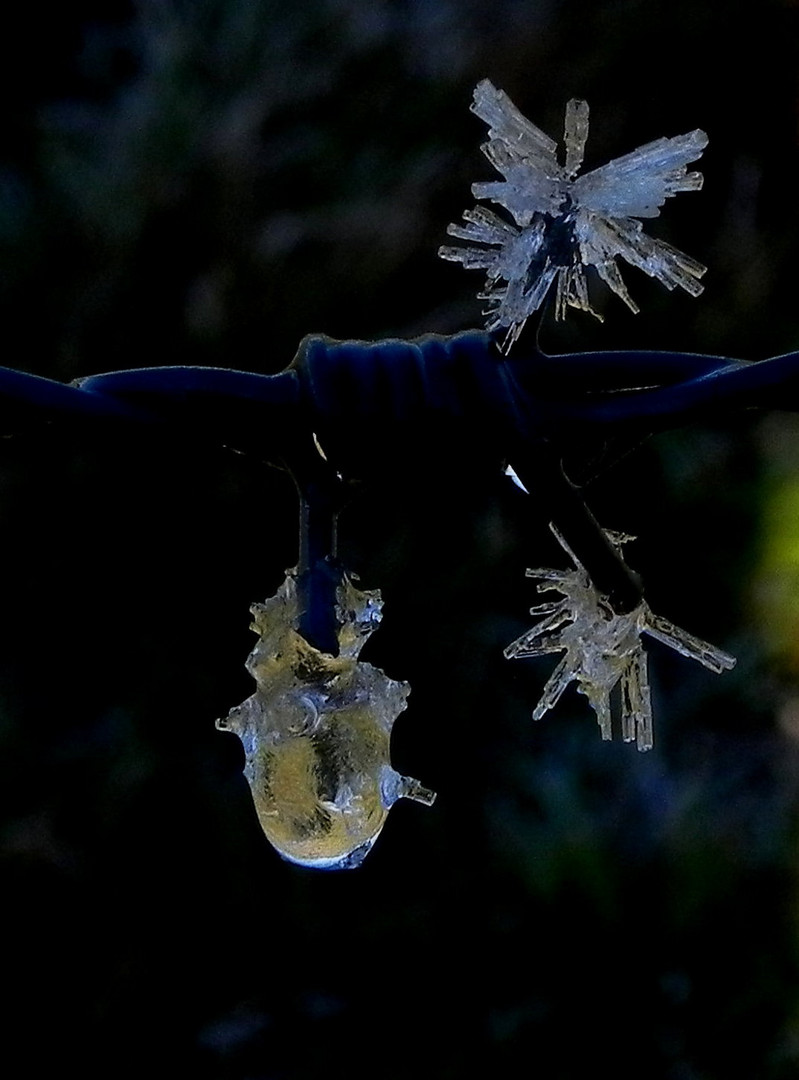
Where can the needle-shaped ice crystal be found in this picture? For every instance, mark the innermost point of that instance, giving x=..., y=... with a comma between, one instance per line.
x=316, y=733
x=563, y=222
x=602, y=648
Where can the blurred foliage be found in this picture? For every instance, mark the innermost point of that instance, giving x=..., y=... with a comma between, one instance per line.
x=206, y=182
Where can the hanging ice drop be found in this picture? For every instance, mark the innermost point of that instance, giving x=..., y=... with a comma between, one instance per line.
x=316, y=734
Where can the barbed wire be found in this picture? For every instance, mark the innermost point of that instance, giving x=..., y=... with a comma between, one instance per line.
x=343, y=410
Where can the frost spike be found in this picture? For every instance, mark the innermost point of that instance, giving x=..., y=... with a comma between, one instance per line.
x=555, y=685
x=694, y=648
x=575, y=134
x=506, y=123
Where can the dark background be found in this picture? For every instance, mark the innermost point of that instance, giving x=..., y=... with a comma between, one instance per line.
x=206, y=182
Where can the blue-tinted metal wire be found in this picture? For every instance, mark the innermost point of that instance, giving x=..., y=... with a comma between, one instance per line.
x=368, y=404
x=463, y=377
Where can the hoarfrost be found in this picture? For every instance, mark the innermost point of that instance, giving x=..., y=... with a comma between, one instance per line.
x=562, y=222
x=602, y=648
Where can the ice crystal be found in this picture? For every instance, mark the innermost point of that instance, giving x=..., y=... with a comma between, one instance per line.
x=602, y=648
x=316, y=734
x=563, y=222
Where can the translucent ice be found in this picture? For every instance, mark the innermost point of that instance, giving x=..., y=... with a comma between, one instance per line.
x=602, y=648
x=316, y=734
x=562, y=222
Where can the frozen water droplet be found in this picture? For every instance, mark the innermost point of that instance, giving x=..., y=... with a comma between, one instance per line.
x=316, y=734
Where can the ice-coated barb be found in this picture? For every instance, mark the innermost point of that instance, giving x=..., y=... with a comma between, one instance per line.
x=602, y=649
x=563, y=223
x=317, y=731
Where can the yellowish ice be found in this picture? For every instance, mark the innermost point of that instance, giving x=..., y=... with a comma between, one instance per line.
x=316, y=734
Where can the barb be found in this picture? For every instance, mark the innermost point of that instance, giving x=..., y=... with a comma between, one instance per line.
x=603, y=649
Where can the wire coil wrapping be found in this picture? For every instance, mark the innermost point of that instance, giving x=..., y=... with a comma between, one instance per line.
x=369, y=406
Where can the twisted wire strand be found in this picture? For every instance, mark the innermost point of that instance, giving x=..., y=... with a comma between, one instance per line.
x=408, y=383
x=362, y=405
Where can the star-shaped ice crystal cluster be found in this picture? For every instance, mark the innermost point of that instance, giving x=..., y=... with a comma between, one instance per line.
x=602, y=648
x=563, y=222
